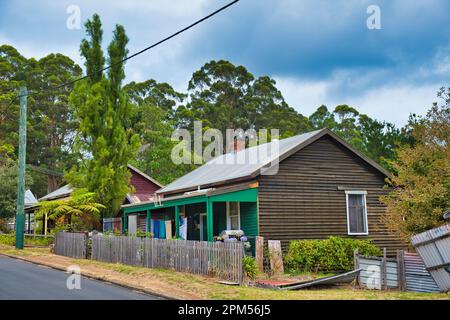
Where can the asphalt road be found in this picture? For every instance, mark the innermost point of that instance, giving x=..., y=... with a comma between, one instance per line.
x=23, y=280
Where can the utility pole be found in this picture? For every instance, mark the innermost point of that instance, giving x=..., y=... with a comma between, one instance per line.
x=20, y=214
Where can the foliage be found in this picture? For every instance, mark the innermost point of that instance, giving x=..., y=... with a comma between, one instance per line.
x=10, y=240
x=332, y=254
x=224, y=96
x=153, y=120
x=49, y=119
x=422, y=185
x=141, y=234
x=81, y=206
x=8, y=188
x=97, y=130
x=103, y=113
x=250, y=267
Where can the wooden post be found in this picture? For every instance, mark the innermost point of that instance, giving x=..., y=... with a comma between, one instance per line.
x=259, y=253
x=149, y=227
x=384, y=269
x=401, y=270
x=355, y=259
x=125, y=223
x=45, y=224
x=356, y=263
x=177, y=221
x=20, y=213
x=209, y=220
x=276, y=257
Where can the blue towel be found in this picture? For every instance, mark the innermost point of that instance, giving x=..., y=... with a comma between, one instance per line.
x=156, y=228
x=162, y=229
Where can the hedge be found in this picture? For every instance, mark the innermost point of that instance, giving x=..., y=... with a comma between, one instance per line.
x=10, y=240
x=332, y=254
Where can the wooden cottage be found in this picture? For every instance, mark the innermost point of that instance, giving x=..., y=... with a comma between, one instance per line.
x=309, y=186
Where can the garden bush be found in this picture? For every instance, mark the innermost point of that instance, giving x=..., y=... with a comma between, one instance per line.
x=332, y=254
x=10, y=240
x=250, y=267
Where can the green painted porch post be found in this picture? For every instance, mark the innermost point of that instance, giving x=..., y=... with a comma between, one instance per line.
x=148, y=221
x=125, y=222
x=20, y=213
x=177, y=221
x=209, y=220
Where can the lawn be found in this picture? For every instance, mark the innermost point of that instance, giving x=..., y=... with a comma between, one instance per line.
x=188, y=286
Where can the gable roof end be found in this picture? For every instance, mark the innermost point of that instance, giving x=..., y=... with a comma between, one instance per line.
x=226, y=168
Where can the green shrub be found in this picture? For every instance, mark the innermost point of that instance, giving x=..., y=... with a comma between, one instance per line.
x=10, y=240
x=250, y=267
x=7, y=239
x=332, y=254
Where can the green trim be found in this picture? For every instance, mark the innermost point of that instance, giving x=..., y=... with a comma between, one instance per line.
x=165, y=204
x=209, y=220
x=247, y=195
x=125, y=222
x=177, y=221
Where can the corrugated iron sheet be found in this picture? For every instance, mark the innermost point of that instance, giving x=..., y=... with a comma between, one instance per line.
x=433, y=247
x=370, y=275
x=417, y=277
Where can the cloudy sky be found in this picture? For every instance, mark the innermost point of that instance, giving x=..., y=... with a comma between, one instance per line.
x=319, y=52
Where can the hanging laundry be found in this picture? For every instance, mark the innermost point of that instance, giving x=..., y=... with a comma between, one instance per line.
x=162, y=229
x=183, y=228
x=156, y=228
x=168, y=229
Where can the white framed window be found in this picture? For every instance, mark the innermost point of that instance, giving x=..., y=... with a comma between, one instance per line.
x=233, y=216
x=356, y=213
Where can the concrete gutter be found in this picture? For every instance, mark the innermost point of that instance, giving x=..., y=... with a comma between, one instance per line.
x=95, y=277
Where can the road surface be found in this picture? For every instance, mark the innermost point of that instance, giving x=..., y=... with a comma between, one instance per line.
x=23, y=280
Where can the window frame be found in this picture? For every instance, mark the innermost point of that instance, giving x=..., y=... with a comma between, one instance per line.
x=366, y=222
x=229, y=218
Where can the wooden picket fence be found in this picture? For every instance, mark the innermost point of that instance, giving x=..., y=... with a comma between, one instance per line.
x=71, y=244
x=222, y=260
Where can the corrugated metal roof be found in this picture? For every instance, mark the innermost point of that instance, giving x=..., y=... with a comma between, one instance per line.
x=433, y=247
x=63, y=191
x=236, y=165
x=30, y=199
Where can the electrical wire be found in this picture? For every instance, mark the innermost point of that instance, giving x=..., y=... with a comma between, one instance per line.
x=134, y=54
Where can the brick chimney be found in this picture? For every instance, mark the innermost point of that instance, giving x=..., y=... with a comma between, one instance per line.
x=236, y=145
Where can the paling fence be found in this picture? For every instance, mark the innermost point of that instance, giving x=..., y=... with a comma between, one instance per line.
x=71, y=244
x=222, y=260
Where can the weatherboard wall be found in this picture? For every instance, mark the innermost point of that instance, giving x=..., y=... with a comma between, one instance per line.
x=305, y=199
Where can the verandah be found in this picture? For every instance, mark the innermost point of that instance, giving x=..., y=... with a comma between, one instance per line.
x=210, y=200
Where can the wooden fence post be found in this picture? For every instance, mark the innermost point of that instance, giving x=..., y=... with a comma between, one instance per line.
x=384, y=270
x=401, y=270
x=276, y=256
x=356, y=263
x=259, y=253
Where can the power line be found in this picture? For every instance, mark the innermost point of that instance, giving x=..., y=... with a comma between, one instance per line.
x=134, y=54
